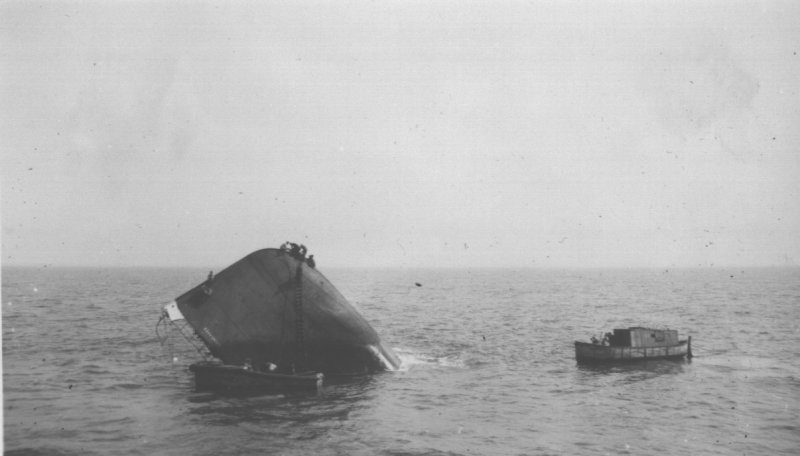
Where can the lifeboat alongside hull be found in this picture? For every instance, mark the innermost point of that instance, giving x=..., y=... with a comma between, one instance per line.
x=214, y=376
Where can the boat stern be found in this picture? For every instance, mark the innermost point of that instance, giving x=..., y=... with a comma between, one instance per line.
x=587, y=352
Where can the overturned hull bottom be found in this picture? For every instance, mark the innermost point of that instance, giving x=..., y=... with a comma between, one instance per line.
x=214, y=376
x=595, y=353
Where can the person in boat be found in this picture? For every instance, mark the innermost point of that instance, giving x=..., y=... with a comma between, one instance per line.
x=607, y=338
x=311, y=263
x=594, y=340
x=285, y=246
x=303, y=251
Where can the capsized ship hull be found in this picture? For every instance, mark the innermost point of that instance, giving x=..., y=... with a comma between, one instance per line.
x=272, y=308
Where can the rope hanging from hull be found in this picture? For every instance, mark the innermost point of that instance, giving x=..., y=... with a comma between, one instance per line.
x=185, y=330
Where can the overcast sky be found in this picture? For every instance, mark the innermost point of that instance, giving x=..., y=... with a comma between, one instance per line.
x=497, y=133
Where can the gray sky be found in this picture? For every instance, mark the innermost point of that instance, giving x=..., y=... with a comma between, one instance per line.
x=401, y=133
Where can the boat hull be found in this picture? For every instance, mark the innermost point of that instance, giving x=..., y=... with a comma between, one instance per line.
x=213, y=376
x=597, y=353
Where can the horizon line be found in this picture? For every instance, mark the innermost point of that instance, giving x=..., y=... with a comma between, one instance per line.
x=427, y=266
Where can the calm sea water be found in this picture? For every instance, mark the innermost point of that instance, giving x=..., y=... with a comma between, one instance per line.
x=488, y=367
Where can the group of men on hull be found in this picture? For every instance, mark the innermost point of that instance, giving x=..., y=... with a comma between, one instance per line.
x=298, y=251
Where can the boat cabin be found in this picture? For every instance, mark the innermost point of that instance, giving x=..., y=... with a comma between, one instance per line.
x=638, y=337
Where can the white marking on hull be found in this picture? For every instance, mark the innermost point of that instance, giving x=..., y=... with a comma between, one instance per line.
x=173, y=312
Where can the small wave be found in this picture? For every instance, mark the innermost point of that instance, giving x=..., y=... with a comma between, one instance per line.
x=153, y=340
x=43, y=451
x=413, y=452
x=107, y=426
x=94, y=369
x=455, y=360
x=127, y=386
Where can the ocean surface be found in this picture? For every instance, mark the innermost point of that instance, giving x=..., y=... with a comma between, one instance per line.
x=488, y=367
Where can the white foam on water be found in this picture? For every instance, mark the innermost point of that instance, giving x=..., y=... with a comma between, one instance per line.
x=410, y=358
x=385, y=362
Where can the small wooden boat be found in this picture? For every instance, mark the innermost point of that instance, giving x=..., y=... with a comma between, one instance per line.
x=634, y=344
x=216, y=376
